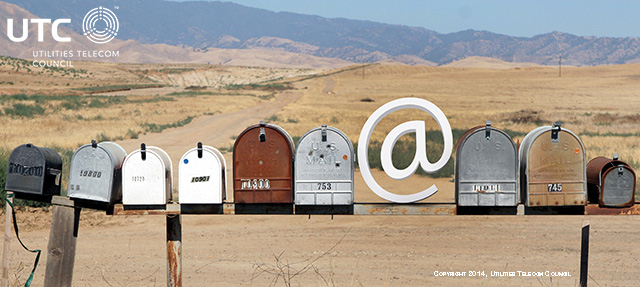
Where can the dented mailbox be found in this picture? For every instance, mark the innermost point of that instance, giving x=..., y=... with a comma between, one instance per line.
x=96, y=172
x=202, y=176
x=611, y=182
x=552, y=168
x=486, y=168
x=324, y=163
x=147, y=177
x=34, y=172
x=263, y=165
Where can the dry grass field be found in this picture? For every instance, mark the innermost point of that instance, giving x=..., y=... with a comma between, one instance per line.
x=132, y=103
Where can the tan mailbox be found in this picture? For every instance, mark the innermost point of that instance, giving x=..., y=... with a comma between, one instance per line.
x=552, y=168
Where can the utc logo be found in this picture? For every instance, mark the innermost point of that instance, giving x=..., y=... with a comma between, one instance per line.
x=100, y=25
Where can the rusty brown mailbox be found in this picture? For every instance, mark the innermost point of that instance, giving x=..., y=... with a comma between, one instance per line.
x=552, y=168
x=611, y=182
x=263, y=165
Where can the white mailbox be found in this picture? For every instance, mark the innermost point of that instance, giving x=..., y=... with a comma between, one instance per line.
x=96, y=172
x=146, y=174
x=202, y=176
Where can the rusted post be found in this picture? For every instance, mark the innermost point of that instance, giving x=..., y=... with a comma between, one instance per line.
x=61, y=251
x=174, y=251
x=584, y=254
x=8, y=213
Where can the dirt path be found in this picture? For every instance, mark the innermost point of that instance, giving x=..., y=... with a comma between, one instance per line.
x=214, y=130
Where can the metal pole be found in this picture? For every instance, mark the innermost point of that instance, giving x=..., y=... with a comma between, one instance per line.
x=584, y=254
x=174, y=251
x=8, y=213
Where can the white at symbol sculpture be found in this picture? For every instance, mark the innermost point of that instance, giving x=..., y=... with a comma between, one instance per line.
x=420, y=158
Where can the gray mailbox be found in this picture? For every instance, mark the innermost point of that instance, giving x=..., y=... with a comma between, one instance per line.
x=324, y=163
x=610, y=182
x=96, y=172
x=147, y=177
x=486, y=168
x=202, y=176
x=34, y=172
x=552, y=168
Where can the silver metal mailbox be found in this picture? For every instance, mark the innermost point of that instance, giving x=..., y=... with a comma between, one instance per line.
x=96, y=172
x=486, y=168
x=34, y=172
x=552, y=168
x=147, y=177
x=324, y=163
x=202, y=176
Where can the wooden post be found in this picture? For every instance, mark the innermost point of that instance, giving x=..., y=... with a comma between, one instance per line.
x=61, y=251
x=6, y=257
x=584, y=254
x=174, y=250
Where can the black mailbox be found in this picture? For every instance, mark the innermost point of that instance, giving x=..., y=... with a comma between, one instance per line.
x=34, y=172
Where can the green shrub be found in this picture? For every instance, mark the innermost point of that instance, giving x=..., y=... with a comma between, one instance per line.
x=22, y=110
x=405, y=149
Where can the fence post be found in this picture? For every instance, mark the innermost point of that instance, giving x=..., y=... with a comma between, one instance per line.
x=6, y=257
x=61, y=251
x=584, y=254
x=174, y=250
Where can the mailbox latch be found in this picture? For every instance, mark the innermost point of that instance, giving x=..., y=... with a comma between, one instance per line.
x=263, y=134
x=487, y=130
x=616, y=156
x=199, y=149
x=555, y=131
x=143, y=151
x=324, y=133
x=620, y=169
x=94, y=144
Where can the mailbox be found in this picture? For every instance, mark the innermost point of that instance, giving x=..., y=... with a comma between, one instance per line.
x=147, y=177
x=486, y=168
x=263, y=165
x=96, y=172
x=34, y=172
x=552, y=168
x=202, y=176
x=324, y=163
x=611, y=182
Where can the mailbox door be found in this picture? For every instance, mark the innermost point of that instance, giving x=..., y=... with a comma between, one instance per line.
x=487, y=170
x=263, y=170
x=324, y=169
x=92, y=174
x=556, y=170
x=200, y=179
x=618, y=187
x=34, y=170
x=144, y=181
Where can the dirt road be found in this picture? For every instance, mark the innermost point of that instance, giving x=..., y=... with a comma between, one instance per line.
x=216, y=130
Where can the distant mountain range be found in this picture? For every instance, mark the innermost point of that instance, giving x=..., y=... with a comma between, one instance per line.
x=203, y=25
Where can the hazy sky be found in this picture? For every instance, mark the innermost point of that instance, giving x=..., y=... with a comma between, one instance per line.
x=516, y=17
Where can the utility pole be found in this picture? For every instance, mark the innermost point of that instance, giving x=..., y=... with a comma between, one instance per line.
x=560, y=67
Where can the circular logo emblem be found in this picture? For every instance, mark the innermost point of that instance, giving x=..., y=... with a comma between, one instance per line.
x=100, y=25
